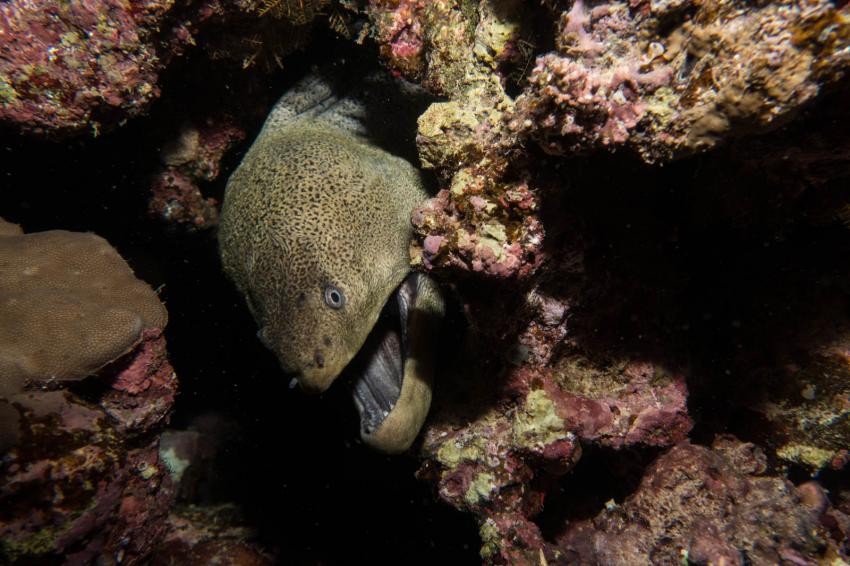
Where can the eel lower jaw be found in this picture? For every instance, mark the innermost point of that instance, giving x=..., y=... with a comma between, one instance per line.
x=392, y=387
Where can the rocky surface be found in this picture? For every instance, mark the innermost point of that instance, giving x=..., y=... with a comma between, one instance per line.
x=68, y=68
x=707, y=506
x=597, y=352
x=209, y=535
x=639, y=219
x=193, y=158
x=82, y=405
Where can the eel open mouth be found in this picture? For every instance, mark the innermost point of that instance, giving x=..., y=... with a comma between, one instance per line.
x=391, y=391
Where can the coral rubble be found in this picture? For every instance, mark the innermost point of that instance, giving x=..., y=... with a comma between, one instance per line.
x=86, y=389
x=706, y=506
x=193, y=158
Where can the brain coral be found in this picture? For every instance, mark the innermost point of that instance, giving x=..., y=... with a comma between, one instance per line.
x=80, y=476
x=71, y=304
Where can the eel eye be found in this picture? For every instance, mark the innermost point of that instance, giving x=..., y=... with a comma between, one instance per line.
x=334, y=297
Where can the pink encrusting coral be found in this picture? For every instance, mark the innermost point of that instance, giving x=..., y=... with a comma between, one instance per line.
x=494, y=234
x=708, y=506
x=86, y=66
x=68, y=66
x=667, y=79
x=598, y=92
x=143, y=391
x=193, y=158
x=399, y=32
x=85, y=391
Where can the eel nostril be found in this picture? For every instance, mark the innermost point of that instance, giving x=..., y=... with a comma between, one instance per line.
x=320, y=360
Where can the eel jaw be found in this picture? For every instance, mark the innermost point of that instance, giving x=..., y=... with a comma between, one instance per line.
x=392, y=389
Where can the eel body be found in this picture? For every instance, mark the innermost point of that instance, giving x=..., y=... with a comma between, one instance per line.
x=314, y=232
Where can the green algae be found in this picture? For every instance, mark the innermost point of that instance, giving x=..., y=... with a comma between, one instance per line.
x=489, y=538
x=812, y=456
x=40, y=543
x=8, y=94
x=454, y=452
x=537, y=423
x=480, y=488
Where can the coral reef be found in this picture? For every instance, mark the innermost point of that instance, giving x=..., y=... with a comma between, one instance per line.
x=565, y=364
x=610, y=174
x=670, y=78
x=82, y=404
x=706, y=506
x=209, y=535
x=69, y=66
x=73, y=67
x=193, y=158
x=500, y=463
x=484, y=220
x=665, y=80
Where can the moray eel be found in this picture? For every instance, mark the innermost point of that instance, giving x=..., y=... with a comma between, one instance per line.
x=315, y=230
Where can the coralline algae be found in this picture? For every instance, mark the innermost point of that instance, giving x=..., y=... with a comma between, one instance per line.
x=191, y=159
x=565, y=362
x=80, y=475
x=659, y=80
x=68, y=68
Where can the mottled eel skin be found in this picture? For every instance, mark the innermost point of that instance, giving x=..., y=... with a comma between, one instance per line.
x=314, y=232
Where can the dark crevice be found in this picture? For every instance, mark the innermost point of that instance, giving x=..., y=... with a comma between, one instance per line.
x=536, y=38
x=601, y=476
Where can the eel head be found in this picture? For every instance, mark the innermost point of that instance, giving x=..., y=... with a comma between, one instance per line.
x=389, y=361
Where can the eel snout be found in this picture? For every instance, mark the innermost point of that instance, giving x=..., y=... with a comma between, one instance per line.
x=394, y=368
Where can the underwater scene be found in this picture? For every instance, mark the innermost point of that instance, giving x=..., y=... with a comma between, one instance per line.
x=411, y=282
